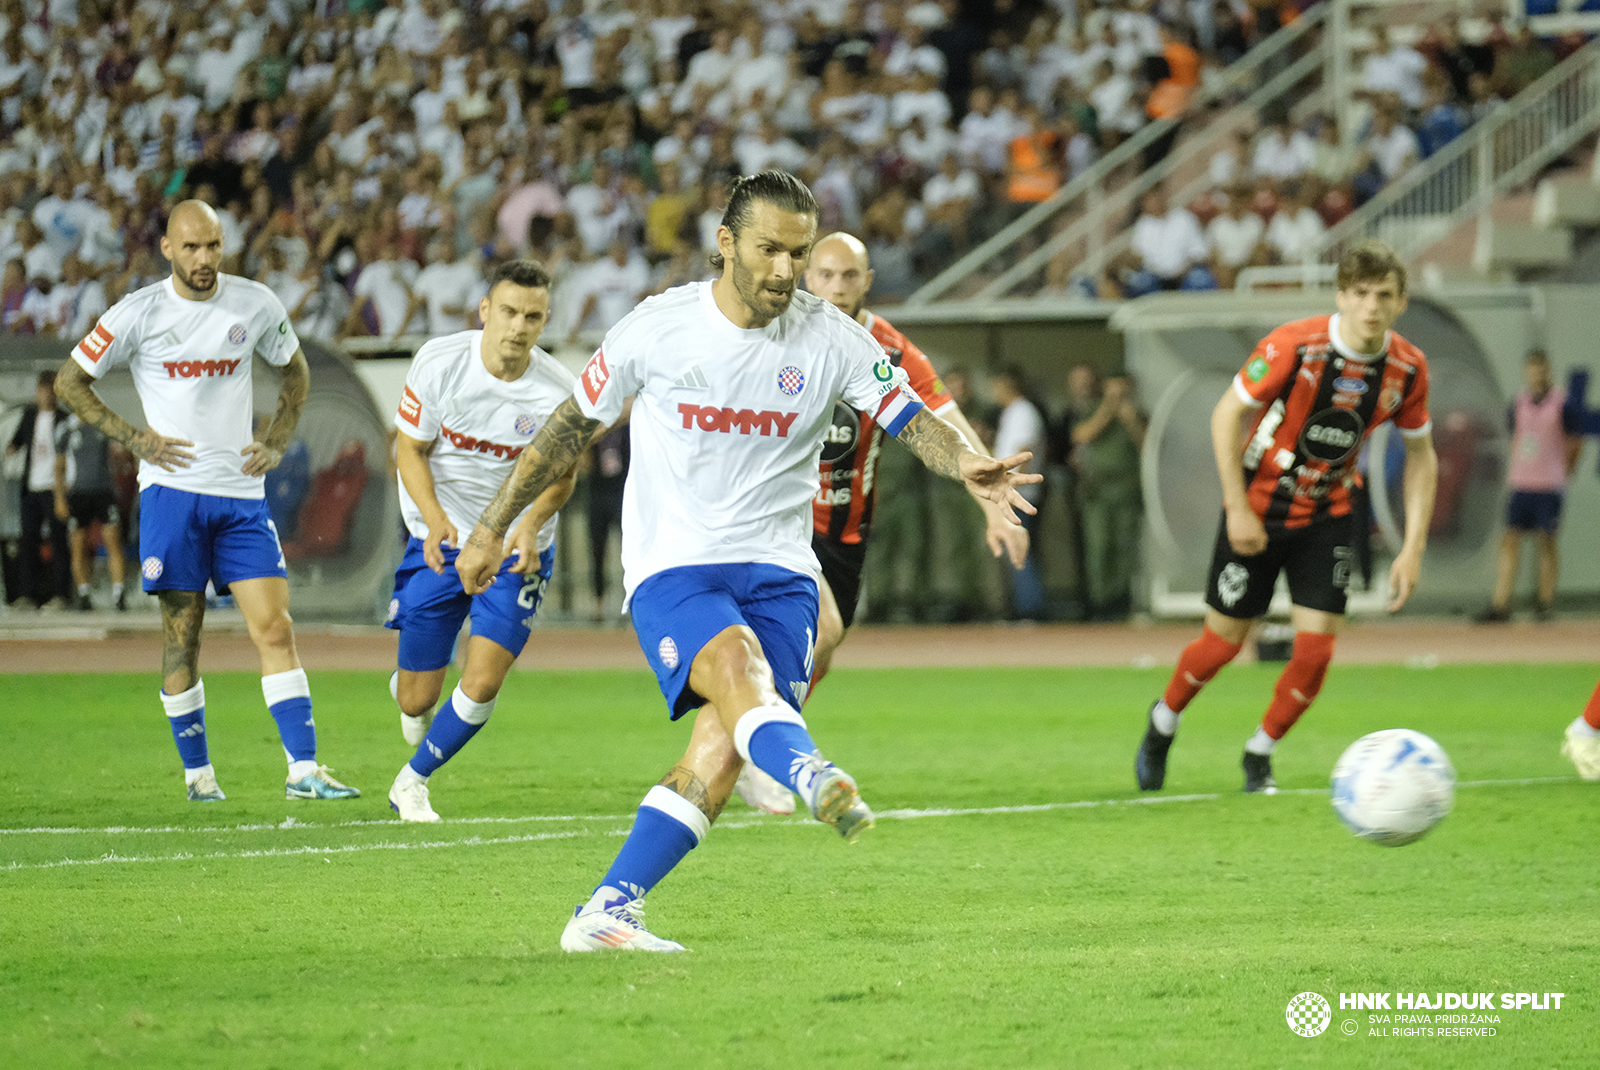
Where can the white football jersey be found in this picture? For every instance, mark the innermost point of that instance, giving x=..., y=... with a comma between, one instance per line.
x=191, y=365
x=728, y=425
x=477, y=423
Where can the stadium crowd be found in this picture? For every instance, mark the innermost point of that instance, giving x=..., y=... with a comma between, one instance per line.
x=371, y=161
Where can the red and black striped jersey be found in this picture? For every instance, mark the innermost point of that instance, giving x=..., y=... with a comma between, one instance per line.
x=1319, y=400
x=842, y=509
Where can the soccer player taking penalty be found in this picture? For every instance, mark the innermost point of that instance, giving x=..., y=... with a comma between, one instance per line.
x=202, y=510
x=735, y=382
x=472, y=402
x=1314, y=389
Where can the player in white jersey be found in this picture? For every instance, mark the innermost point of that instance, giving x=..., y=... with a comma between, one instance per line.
x=471, y=402
x=735, y=383
x=202, y=508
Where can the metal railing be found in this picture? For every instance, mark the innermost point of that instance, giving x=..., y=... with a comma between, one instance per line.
x=1502, y=151
x=1089, y=193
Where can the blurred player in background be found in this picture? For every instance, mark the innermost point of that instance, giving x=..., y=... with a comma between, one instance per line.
x=472, y=401
x=86, y=493
x=735, y=383
x=1317, y=387
x=841, y=274
x=202, y=510
x=1582, y=745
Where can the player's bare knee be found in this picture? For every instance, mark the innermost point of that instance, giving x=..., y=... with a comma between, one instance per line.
x=418, y=697
x=274, y=632
x=481, y=687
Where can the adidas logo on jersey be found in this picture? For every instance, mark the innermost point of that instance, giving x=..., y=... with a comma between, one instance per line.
x=693, y=379
x=745, y=421
x=194, y=369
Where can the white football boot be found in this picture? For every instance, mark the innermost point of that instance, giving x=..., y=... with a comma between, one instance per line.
x=414, y=729
x=612, y=921
x=1583, y=750
x=203, y=788
x=409, y=797
x=762, y=792
x=830, y=793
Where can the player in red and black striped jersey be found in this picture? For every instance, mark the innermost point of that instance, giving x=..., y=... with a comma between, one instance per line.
x=840, y=273
x=1316, y=389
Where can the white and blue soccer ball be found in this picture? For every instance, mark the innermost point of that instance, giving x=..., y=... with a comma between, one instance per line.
x=1391, y=787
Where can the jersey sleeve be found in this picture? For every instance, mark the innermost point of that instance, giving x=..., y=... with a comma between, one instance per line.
x=1413, y=418
x=277, y=340
x=613, y=374
x=873, y=385
x=924, y=380
x=112, y=341
x=419, y=414
x=1268, y=369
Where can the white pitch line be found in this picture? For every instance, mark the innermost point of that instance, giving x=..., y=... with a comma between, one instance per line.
x=477, y=841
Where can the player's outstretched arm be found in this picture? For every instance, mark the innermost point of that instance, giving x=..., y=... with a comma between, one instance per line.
x=263, y=456
x=1420, y=483
x=546, y=460
x=75, y=387
x=943, y=449
x=1005, y=537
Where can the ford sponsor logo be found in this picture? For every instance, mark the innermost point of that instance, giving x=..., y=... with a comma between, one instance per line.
x=1346, y=385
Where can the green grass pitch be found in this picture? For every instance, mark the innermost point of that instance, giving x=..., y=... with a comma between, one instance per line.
x=263, y=933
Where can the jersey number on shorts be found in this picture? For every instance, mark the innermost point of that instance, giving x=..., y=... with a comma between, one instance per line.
x=276, y=542
x=532, y=593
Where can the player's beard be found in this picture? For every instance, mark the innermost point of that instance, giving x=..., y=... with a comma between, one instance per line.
x=187, y=278
x=758, y=298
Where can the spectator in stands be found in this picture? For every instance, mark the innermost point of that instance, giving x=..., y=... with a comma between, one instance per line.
x=1393, y=68
x=1332, y=161
x=611, y=286
x=447, y=287
x=1021, y=427
x=381, y=298
x=1168, y=250
x=1296, y=226
x=949, y=198
x=1107, y=435
x=40, y=583
x=1282, y=151
x=13, y=289
x=1391, y=149
x=1034, y=163
x=1234, y=238
x=1459, y=59
x=1520, y=65
x=1443, y=120
x=1482, y=97
x=986, y=132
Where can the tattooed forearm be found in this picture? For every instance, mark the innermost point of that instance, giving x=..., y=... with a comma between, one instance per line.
x=182, y=613
x=687, y=783
x=291, y=400
x=552, y=453
x=76, y=391
x=939, y=445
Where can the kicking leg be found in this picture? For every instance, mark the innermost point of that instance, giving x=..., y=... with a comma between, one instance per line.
x=1297, y=688
x=183, y=694
x=1218, y=644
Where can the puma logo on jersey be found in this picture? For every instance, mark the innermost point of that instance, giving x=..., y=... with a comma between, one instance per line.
x=194, y=369
x=745, y=421
x=474, y=445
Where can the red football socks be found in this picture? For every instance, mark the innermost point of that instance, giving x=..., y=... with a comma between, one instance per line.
x=1200, y=661
x=1591, y=712
x=1299, y=683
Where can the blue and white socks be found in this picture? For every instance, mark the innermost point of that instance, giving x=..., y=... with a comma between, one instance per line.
x=288, y=696
x=666, y=829
x=186, y=711
x=457, y=721
x=775, y=740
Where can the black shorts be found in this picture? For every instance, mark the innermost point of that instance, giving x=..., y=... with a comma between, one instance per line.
x=88, y=506
x=1318, y=560
x=1533, y=510
x=841, y=567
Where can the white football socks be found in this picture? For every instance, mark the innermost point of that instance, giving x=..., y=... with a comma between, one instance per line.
x=1165, y=720
x=1261, y=743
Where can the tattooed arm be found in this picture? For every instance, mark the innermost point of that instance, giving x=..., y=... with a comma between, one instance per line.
x=265, y=454
x=544, y=462
x=943, y=449
x=75, y=387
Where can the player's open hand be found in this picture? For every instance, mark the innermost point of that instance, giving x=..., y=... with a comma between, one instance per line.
x=1005, y=537
x=994, y=479
x=1246, y=533
x=433, y=545
x=169, y=454
x=1403, y=576
x=479, y=560
x=260, y=458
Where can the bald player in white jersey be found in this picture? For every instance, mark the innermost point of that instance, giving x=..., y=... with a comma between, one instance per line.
x=472, y=401
x=189, y=341
x=734, y=384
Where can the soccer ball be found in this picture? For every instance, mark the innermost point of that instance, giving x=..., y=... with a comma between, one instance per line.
x=1391, y=787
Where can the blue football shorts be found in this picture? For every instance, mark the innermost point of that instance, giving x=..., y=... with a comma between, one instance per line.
x=678, y=611
x=428, y=608
x=186, y=539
